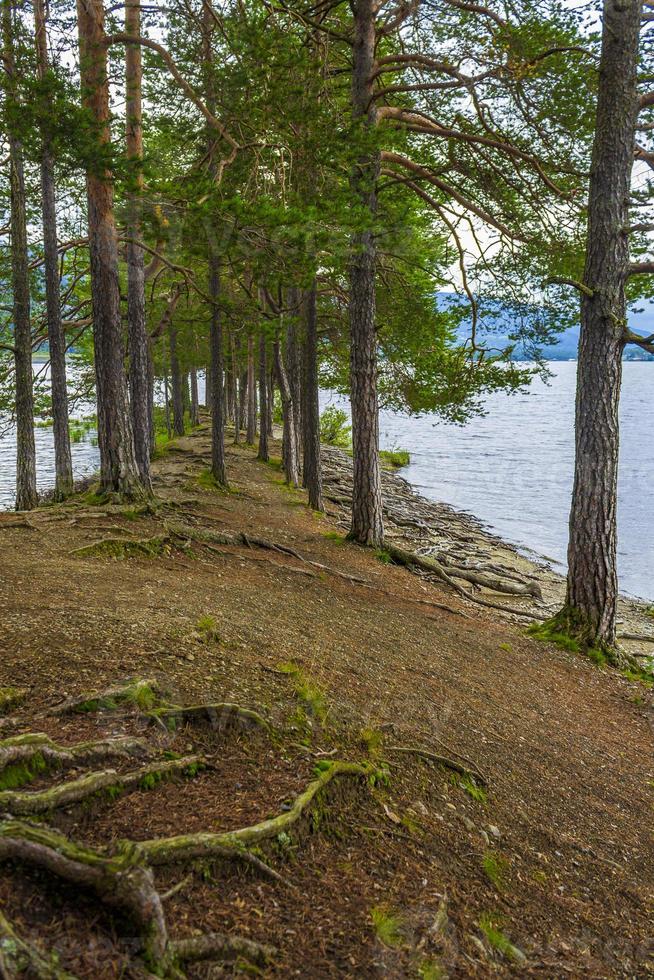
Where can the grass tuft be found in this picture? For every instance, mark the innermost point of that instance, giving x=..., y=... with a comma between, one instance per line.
x=389, y=926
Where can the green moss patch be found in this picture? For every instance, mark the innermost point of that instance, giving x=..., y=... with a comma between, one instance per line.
x=10, y=698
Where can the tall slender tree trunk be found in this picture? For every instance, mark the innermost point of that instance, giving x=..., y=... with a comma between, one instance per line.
x=218, y=467
x=237, y=399
x=56, y=337
x=242, y=398
x=139, y=348
x=592, y=590
x=271, y=402
x=263, y=398
x=311, y=462
x=177, y=383
x=26, y=495
x=252, y=395
x=367, y=520
x=169, y=430
x=290, y=460
x=293, y=361
x=118, y=467
x=195, y=405
x=230, y=384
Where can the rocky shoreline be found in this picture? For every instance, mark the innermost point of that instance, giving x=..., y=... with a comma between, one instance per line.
x=483, y=568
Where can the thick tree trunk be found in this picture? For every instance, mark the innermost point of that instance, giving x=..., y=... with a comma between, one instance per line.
x=195, y=405
x=312, y=468
x=118, y=467
x=367, y=520
x=251, y=432
x=56, y=337
x=218, y=467
x=290, y=460
x=177, y=383
x=592, y=572
x=139, y=348
x=263, y=399
x=26, y=495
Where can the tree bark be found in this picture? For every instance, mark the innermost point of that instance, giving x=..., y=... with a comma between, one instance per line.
x=218, y=467
x=119, y=471
x=367, y=520
x=312, y=468
x=592, y=590
x=139, y=348
x=26, y=495
x=230, y=385
x=263, y=399
x=290, y=460
x=195, y=405
x=237, y=394
x=293, y=360
x=243, y=398
x=56, y=337
x=177, y=382
x=251, y=431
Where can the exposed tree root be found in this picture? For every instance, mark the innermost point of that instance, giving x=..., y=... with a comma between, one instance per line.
x=28, y=803
x=23, y=757
x=474, y=774
x=120, y=881
x=20, y=958
x=218, y=946
x=239, y=538
x=410, y=559
x=187, y=847
x=141, y=693
x=219, y=715
x=124, y=548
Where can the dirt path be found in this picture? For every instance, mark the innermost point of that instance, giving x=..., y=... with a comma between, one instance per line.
x=551, y=875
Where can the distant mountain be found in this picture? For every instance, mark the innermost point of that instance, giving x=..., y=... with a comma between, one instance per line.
x=566, y=347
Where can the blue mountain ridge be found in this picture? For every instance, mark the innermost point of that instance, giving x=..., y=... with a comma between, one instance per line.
x=565, y=349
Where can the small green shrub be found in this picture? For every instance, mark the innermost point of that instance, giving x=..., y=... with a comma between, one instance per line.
x=207, y=627
x=395, y=457
x=335, y=429
x=495, y=868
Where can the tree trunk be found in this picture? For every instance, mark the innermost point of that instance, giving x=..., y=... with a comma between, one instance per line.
x=293, y=360
x=218, y=467
x=195, y=405
x=119, y=471
x=252, y=395
x=237, y=394
x=176, y=378
x=367, y=521
x=230, y=385
x=263, y=399
x=139, y=349
x=290, y=459
x=169, y=430
x=56, y=337
x=271, y=402
x=26, y=495
x=592, y=571
x=243, y=398
x=312, y=468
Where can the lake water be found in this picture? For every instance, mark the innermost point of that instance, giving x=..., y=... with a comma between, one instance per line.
x=513, y=468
